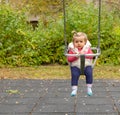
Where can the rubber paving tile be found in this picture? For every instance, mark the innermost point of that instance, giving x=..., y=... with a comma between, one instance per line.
x=52, y=97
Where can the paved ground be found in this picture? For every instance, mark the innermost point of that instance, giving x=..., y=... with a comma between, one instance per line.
x=52, y=97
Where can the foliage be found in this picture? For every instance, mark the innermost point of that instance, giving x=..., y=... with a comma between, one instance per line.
x=38, y=7
x=85, y=18
x=21, y=46
x=13, y=35
x=110, y=37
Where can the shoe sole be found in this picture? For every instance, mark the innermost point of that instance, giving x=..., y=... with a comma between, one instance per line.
x=89, y=94
x=72, y=95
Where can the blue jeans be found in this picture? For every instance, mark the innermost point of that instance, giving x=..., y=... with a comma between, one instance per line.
x=76, y=72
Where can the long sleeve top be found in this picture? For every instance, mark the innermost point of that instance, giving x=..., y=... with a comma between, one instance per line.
x=75, y=61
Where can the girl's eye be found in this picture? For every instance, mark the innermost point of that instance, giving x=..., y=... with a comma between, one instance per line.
x=78, y=41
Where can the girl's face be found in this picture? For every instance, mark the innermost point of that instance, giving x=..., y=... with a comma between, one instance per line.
x=79, y=42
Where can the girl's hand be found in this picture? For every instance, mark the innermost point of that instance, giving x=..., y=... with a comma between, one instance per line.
x=81, y=52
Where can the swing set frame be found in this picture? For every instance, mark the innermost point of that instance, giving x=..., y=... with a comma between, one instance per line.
x=96, y=49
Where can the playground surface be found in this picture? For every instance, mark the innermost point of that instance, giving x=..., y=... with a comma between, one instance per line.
x=52, y=97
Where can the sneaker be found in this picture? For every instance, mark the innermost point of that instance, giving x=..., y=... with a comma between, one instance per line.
x=73, y=93
x=89, y=91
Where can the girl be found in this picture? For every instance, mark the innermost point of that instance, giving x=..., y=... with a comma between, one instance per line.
x=80, y=46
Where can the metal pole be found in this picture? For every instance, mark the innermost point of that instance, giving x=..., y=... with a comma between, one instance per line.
x=64, y=16
x=99, y=21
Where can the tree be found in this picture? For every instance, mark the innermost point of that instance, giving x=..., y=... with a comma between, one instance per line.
x=35, y=7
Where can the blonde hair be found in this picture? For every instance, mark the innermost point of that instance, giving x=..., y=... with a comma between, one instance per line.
x=79, y=34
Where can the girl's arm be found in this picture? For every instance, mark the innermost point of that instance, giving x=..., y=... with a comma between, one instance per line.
x=89, y=52
x=71, y=58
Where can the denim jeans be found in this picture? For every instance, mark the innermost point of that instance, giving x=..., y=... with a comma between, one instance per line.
x=76, y=72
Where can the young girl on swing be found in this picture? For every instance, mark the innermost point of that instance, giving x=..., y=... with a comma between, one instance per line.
x=80, y=45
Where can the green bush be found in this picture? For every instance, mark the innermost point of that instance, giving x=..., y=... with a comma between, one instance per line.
x=21, y=46
x=110, y=37
x=13, y=35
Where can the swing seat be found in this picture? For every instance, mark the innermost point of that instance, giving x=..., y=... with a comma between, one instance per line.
x=82, y=57
x=96, y=50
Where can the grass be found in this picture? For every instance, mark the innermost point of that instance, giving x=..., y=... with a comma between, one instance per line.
x=56, y=72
